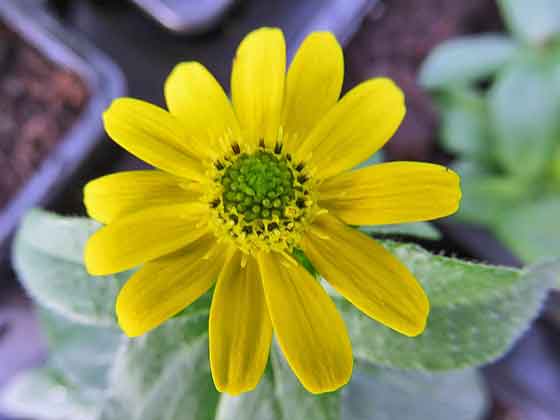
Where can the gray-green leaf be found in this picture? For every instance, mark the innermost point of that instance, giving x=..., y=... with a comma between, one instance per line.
x=376, y=158
x=47, y=257
x=486, y=196
x=420, y=230
x=279, y=396
x=372, y=394
x=81, y=354
x=524, y=117
x=164, y=375
x=532, y=21
x=477, y=312
x=40, y=394
x=73, y=382
x=386, y=394
x=465, y=60
x=464, y=124
x=532, y=230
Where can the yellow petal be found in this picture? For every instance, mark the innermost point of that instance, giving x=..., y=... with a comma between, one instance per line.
x=153, y=135
x=164, y=287
x=313, y=86
x=195, y=97
x=257, y=84
x=310, y=331
x=144, y=236
x=240, y=328
x=396, y=192
x=116, y=195
x=367, y=275
x=355, y=128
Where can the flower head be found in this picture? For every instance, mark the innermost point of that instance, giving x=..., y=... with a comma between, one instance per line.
x=239, y=188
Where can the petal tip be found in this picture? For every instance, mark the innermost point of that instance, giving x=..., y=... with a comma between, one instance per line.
x=333, y=384
x=126, y=323
x=232, y=386
x=420, y=323
x=261, y=32
x=187, y=65
x=90, y=258
x=323, y=35
x=415, y=331
x=181, y=71
x=233, y=389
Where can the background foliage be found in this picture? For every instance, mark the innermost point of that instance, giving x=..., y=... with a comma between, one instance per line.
x=499, y=97
x=95, y=373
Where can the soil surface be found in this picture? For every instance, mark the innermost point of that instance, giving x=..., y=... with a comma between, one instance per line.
x=39, y=102
x=395, y=38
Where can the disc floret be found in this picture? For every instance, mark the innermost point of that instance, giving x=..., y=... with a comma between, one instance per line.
x=262, y=200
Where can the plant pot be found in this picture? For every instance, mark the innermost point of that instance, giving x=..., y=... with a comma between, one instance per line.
x=67, y=53
x=186, y=17
x=148, y=55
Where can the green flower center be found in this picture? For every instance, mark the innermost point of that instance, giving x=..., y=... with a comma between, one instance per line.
x=259, y=186
x=261, y=199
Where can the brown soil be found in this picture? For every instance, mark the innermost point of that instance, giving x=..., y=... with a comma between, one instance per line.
x=394, y=40
x=39, y=102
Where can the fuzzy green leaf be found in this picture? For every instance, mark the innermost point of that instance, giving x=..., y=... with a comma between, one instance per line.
x=81, y=354
x=532, y=230
x=384, y=394
x=464, y=123
x=279, y=396
x=464, y=60
x=73, y=382
x=532, y=21
x=376, y=158
x=420, y=230
x=524, y=117
x=372, y=394
x=164, y=374
x=40, y=394
x=47, y=256
x=477, y=312
x=486, y=197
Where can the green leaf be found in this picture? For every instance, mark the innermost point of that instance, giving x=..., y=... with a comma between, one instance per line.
x=477, y=312
x=555, y=169
x=465, y=60
x=532, y=21
x=164, y=374
x=73, y=382
x=47, y=257
x=279, y=396
x=260, y=404
x=41, y=395
x=420, y=230
x=464, y=124
x=532, y=230
x=372, y=394
x=524, y=117
x=81, y=354
x=486, y=196
x=384, y=394
x=300, y=256
x=377, y=157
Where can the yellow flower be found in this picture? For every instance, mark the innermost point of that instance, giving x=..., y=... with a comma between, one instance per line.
x=238, y=188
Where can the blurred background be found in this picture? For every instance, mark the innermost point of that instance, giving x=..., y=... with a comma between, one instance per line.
x=62, y=61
